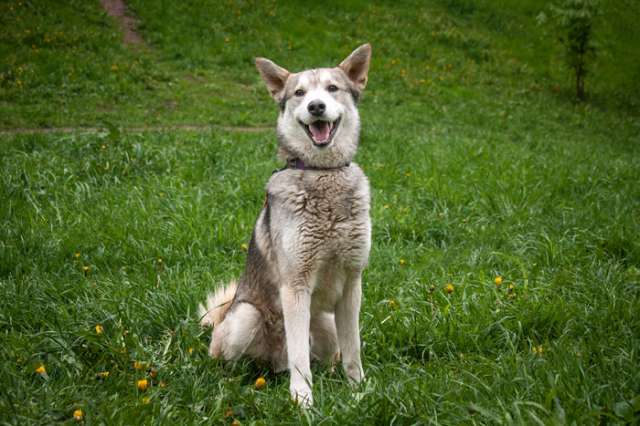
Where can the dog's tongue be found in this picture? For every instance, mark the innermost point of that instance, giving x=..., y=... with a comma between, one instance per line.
x=320, y=131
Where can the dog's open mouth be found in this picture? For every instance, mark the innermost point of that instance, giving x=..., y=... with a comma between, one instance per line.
x=321, y=132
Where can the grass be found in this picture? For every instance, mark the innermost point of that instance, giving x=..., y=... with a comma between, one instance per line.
x=481, y=166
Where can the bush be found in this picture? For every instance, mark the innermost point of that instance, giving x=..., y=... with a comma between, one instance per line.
x=574, y=21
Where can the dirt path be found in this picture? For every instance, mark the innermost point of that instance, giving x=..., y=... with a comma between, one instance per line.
x=118, y=10
x=145, y=129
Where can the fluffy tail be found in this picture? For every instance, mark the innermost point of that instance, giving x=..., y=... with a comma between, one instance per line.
x=217, y=305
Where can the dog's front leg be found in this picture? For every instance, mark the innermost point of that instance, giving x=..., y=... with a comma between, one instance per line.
x=348, y=326
x=296, y=307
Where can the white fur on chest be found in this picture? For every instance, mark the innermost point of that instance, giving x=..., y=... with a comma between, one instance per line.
x=324, y=217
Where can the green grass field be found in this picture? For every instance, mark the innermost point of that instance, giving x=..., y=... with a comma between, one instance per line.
x=481, y=165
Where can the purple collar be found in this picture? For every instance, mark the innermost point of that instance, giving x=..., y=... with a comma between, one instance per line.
x=296, y=163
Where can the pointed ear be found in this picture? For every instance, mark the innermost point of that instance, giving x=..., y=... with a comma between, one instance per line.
x=274, y=76
x=356, y=66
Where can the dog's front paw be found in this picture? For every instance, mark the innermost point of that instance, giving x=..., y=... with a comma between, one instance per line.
x=301, y=395
x=354, y=372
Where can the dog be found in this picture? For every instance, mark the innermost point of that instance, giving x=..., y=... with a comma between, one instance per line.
x=299, y=296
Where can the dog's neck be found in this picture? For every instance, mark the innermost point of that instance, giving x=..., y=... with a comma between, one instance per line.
x=296, y=163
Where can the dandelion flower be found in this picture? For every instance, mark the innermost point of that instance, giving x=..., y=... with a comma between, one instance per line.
x=403, y=262
x=102, y=374
x=449, y=288
x=235, y=422
x=392, y=304
x=260, y=383
x=146, y=400
x=538, y=350
x=78, y=415
x=244, y=246
x=85, y=270
x=498, y=281
x=142, y=384
x=76, y=255
x=41, y=370
x=189, y=350
x=138, y=365
x=99, y=329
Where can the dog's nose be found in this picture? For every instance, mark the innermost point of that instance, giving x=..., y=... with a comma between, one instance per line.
x=316, y=108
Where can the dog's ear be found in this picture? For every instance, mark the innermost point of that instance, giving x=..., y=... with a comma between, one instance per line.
x=274, y=76
x=356, y=66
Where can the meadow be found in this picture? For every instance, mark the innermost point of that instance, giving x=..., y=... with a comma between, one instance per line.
x=504, y=278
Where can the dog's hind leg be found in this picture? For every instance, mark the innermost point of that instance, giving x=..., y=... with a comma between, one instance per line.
x=324, y=338
x=237, y=333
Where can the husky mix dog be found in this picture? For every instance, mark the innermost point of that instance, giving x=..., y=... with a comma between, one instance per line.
x=299, y=296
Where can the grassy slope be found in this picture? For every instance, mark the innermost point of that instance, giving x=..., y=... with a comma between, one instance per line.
x=478, y=167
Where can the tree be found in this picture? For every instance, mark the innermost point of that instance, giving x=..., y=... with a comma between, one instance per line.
x=574, y=21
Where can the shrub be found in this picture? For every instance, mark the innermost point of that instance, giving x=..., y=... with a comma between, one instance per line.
x=574, y=21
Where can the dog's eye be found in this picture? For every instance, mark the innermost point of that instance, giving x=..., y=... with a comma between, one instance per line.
x=299, y=92
x=332, y=88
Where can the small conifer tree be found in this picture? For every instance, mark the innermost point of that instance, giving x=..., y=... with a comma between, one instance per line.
x=574, y=20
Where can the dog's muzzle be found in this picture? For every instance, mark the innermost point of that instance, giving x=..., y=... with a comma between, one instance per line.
x=321, y=132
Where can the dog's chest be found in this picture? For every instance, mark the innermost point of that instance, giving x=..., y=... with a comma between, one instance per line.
x=329, y=212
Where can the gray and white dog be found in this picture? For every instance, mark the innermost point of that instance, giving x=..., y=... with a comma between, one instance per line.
x=299, y=297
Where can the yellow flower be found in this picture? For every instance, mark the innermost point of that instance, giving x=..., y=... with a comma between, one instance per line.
x=146, y=400
x=538, y=350
x=244, y=246
x=189, y=351
x=41, y=370
x=78, y=415
x=498, y=280
x=76, y=255
x=85, y=270
x=392, y=304
x=260, y=383
x=403, y=262
x=143, y=384
x=386, y=206
x=235, y=422
x=102, y=374
x=99, y=329
x=449, y=288
x=160, y=261
x=138, y=365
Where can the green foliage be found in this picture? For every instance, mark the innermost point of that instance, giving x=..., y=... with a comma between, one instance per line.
x=575, y=20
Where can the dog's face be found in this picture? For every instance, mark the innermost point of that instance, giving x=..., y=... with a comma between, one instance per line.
x=318, y=121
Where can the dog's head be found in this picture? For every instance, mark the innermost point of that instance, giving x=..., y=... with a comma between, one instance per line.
x=318, y=121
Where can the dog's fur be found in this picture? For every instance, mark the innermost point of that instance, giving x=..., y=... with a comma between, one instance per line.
x=299, y=296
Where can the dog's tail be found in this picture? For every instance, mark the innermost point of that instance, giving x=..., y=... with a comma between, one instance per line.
x=218, y=303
